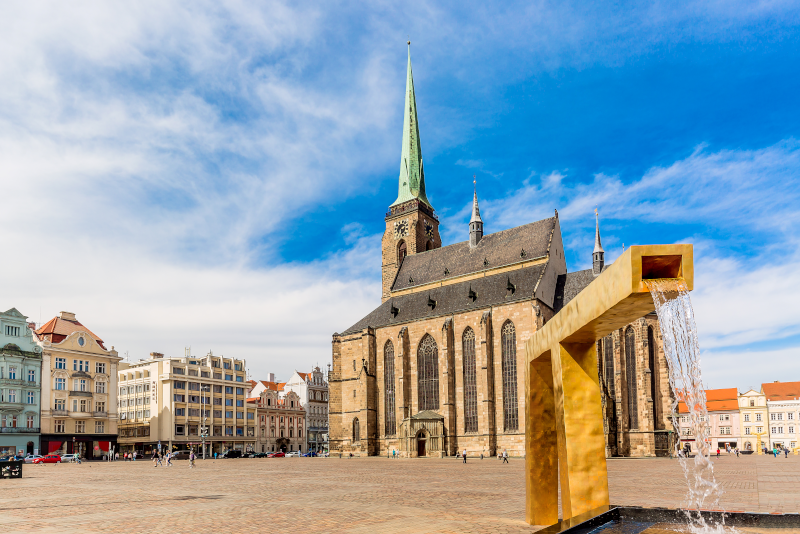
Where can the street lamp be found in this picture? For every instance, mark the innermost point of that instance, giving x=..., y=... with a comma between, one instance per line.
x=204, y=428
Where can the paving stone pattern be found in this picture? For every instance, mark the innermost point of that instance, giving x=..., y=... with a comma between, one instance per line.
x=341, y=495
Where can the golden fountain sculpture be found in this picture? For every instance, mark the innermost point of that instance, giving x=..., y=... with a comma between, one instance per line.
x=564, y=423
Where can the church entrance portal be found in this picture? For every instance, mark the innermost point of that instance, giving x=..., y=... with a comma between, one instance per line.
x=421, y=443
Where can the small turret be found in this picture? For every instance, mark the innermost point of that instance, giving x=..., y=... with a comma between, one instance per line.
x=598, y=255
x=475, y=224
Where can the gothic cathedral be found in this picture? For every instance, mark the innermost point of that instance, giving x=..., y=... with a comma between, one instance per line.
x=437, y=367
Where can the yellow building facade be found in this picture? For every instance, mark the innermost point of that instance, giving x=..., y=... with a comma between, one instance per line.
x=754, y=419
x=79, y=385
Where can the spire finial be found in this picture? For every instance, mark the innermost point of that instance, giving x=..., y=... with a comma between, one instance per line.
x=598, y=255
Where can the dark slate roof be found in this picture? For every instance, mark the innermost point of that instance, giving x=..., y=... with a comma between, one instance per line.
x=500, y=249
x=569, y=285
x=454, y=298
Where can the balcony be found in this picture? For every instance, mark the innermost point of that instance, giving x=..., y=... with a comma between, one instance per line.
x=59, y=413
x=79, y=415
x=13, y=382
x=80, y=393
x=99, y=414
x=18, y=430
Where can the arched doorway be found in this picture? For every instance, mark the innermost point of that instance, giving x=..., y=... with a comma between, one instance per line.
x=30, y=447
x=282, y=444
x=422, y=444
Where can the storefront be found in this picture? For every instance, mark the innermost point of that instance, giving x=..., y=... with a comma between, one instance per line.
x=89, y=446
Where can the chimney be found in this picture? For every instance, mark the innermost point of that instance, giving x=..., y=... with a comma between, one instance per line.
x=270, y=377
x=67, y=316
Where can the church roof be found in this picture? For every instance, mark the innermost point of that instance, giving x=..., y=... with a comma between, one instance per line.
x=427, y=414
x=59, y=329
x=494, y=250
x=449, y=299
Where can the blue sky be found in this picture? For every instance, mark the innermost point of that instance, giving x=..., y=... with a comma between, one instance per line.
x=215, y=175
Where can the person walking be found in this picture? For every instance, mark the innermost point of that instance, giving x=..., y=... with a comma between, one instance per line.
x=505, y=456
x=465, y=455
x=737, y=451
x=717, y=452
x=116, y=456
x=215, y=455
x=169, y=458
x=191, y=459
x=156, y=461
x=774, y=452
x=786, y=452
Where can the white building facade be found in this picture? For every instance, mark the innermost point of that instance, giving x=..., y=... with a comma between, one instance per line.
x=312, y=388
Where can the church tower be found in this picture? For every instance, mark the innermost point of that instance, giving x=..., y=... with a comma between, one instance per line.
x=411, y=224
x=598, y=260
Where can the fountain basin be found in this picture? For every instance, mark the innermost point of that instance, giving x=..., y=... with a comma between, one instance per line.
x=636, y=520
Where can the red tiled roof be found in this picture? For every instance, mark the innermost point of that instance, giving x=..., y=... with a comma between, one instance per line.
x=274, y=386
x=717, y=400
x=58, y=329
x=303, y=375
x=254, y=399
x=781, y=390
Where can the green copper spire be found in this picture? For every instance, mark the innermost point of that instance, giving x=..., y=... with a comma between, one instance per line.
x=412, y=172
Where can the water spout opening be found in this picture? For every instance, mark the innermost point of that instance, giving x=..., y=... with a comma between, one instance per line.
x=655, y=267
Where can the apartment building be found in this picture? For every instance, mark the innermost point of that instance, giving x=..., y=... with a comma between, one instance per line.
x=79, y=389
x=184, y=402
x=723, y=421
x=312, y=388
x=281, y=421
x=754, y=416
x=20, y=385
x=783, y=406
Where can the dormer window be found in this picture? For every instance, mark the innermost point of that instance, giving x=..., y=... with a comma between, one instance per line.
x=431, y=303
x=472, y=295
x=510, y=288
x=393, y=310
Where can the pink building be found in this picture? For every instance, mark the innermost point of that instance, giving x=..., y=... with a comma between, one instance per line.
x=723, y=411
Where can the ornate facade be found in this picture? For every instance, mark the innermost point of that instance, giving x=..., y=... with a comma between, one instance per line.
x=281, y=421
x=438, y=367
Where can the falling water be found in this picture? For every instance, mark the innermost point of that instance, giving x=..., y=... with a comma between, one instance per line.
x=682, y=351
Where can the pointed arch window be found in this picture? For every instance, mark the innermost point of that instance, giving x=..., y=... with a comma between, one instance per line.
x=608, y=348
x=401, y=252
x=470, y=382
x=356, y=431
x=510, y=409
x=630, y=376
x=428, y=374
x=651, y=352
x=388, y=387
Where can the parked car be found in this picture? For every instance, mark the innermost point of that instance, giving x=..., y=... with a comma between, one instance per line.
x=309, y=454
x=260, y=455
x=31, y=457
x=231, y=453
x=293, y=454
x=276, y=455
x=69, y=457
x=49, y=459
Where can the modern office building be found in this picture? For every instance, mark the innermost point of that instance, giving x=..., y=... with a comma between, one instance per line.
x=78, y=389
x=20, y=385
x=172, y=400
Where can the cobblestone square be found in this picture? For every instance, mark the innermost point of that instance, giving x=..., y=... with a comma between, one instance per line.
x=342, y=495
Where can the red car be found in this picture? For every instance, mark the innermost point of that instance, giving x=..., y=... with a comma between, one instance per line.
x=49, y=459
x=276, y=455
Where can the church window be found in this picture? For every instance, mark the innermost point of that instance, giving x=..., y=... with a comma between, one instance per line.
x=510, y=410
x=609, y=361
x=651, y=351
x=356, y=431
x=470, y=382
x=428, y=374
x=401, y=251
x=388, y=388
x=630, y=376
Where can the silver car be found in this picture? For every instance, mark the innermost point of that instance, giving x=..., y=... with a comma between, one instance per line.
x=31, y=457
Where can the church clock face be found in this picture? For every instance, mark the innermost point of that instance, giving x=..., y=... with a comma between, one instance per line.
x=429, y=229
x=401, y=229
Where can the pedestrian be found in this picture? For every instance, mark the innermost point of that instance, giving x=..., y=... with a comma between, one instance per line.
x=191, y=459
x=786, y=452
x=717, y=452
x=465, y=455
x=134, y=456
x=215, y=455
x=156, y=460
x=774, y=452
x=737, y=451
x=169, y=458
x=116, y=457
x=394, y=454
x=505, y=456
